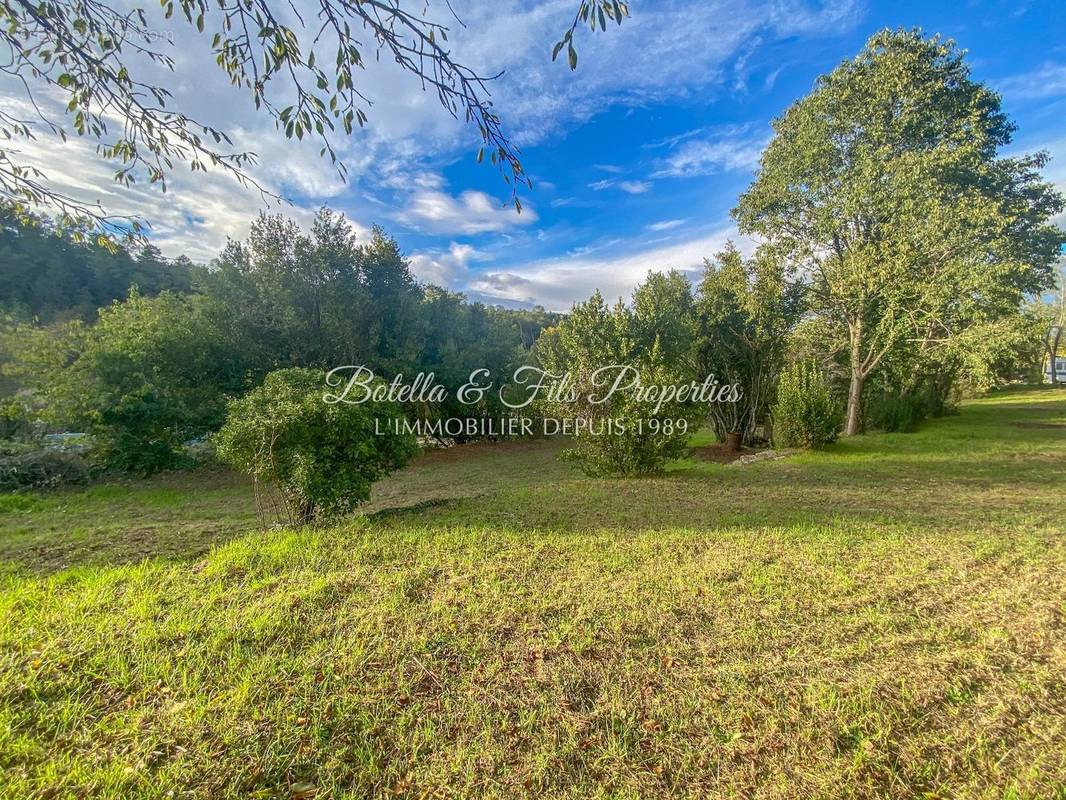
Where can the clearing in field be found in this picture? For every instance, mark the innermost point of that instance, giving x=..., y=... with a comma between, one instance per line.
x=883, y=618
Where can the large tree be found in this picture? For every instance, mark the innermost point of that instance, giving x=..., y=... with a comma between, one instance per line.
x=885, y=185
x=301, y=67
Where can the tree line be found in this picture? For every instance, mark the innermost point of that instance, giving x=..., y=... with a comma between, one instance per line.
x=154, y=367
x=899, y=263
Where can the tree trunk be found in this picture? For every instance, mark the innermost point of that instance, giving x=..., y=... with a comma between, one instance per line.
x=1054, y=355
x=854, y=420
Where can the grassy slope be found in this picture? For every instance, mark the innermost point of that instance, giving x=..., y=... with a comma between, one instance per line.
x=881, y=619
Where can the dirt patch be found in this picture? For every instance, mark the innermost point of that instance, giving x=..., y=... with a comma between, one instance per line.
x=718, y=453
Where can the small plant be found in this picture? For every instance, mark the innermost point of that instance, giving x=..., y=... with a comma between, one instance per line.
x=321, y=458
x=806, y=413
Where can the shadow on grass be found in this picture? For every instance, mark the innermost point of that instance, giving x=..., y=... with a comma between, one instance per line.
x=997, y=465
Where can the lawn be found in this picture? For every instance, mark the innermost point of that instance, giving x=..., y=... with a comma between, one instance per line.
x=884, y=618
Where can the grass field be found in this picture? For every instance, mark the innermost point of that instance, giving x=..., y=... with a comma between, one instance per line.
x=884, y=618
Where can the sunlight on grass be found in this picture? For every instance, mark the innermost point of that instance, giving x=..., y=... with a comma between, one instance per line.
x=886, y=614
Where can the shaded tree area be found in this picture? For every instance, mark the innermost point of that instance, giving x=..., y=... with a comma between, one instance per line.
x=47, y=275
x=146, y=374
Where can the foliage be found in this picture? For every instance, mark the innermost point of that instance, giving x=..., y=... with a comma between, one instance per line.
x=806, y=413
x=664, y=316
x=150, y=374
x=38, y=468
x=884, y=185
x=285, y=298
x=303, y=75
x=47, y=276
x=321, y=457
x=746, y=308
x=459, y=337
x=627, y=434
x=595, y=14
x=897, y=412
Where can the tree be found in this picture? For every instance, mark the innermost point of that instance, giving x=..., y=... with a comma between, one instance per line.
x=746, y=308
x=302, y=74
x=148, y=376
x=884, y=185
x=627, y=432
x=321, y=457
x=664, y=312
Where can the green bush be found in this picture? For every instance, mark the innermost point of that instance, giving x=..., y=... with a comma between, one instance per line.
x=149, y=375
x=41, y=469
x=629, y=436
x=626, y=434
x=322, y=458
x=806, y=413
x=895, y=413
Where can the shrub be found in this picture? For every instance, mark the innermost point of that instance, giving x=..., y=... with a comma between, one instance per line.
x=894, y=412
x=322, y=458
x=41, y=469
x=627, y=435
x=806, y=413
x=150, y=374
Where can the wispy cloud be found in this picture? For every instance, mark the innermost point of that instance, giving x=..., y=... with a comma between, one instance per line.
x=629, y=187
x=736, y=148
x=666, y=225
x=1049, y=80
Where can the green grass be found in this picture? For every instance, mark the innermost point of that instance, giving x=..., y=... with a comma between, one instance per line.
x=884, y=618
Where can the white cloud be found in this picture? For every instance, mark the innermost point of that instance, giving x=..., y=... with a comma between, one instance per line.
x=1049, y=80
x=630, y=187
x=666, y=224
x=734, y=149
x=471, y=212
x=742, y=67
x=557, y=283
x=450, y=268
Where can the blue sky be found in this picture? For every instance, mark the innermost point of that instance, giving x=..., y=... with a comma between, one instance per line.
x=637, y=157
